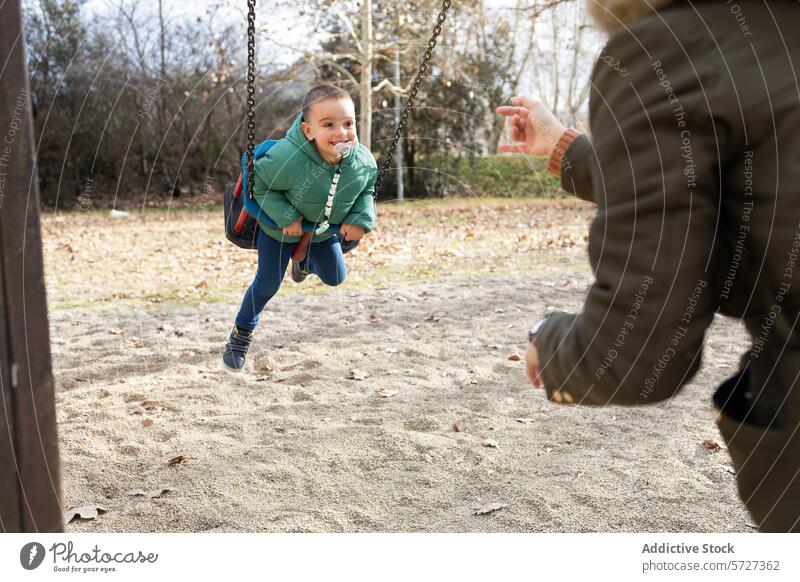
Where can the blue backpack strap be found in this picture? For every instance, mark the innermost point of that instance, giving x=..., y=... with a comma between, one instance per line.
x=258, y=152
x=250, y=205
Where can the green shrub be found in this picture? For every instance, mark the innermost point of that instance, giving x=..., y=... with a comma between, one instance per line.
x=496, y=176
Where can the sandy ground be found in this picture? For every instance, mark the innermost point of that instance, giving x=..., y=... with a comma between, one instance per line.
x=343, y=420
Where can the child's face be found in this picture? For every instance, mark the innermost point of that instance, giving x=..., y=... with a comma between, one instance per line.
x=330, y=122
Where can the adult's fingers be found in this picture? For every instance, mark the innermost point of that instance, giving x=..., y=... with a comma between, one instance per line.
x=524, y=102
x=512, y=148
x=517, y=134
x=509, y=110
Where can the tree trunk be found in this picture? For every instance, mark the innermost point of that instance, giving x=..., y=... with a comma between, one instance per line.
x=366, y=76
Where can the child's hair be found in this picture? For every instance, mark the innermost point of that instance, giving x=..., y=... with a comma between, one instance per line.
x=322, y=93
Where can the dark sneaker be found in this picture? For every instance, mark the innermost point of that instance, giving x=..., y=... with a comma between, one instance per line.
x=236, y=349
x=298, y=273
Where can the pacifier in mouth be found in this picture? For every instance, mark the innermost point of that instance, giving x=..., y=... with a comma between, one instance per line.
x=343, y=148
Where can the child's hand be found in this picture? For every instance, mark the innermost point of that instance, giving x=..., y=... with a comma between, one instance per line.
x=294, y=229
x=352, y=232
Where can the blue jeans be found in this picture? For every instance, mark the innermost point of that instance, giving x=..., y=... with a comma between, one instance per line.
x=324, y=259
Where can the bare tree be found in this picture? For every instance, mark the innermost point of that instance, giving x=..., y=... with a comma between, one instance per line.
x=562, y=56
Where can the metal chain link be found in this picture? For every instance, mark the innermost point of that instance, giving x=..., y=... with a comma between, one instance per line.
x=423, y=67
x=251, y=92
x=251, y=101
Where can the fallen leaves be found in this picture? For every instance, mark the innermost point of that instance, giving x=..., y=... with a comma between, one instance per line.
x=459, y=426
x=84, y=512
x=178, y=460
x=357, y=375
x=712, y=445
x=153, y=493
x=514, y=357
x=200, y=263
x=143, y=406
x=486, y=508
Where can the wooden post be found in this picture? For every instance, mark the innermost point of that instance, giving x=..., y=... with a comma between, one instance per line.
x=30, y=475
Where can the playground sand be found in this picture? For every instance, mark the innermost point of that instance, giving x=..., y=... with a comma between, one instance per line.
x=347, y=423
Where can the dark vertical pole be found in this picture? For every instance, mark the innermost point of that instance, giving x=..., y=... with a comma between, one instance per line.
x=30, y=476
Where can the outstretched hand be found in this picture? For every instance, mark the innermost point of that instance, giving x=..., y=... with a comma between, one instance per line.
x=534, y=128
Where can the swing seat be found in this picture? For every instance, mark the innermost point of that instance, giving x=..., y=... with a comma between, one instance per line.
x=242, y=212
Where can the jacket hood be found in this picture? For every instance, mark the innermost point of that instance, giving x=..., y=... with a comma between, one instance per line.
x=611, y=15
x=309, y=148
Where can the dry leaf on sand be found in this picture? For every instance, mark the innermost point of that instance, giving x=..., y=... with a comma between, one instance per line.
x=84, y=512
x=712, y=445
x=479, y=509
x=153, y=494
x=357, y=375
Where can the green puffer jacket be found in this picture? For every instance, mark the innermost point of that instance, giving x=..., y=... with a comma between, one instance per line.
x=292, y=181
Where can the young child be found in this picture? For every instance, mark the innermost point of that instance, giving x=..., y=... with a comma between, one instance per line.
x=294, y=182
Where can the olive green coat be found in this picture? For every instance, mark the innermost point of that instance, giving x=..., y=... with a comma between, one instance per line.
x=694, y=164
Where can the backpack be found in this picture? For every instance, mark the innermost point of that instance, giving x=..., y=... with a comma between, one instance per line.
x=242, y=212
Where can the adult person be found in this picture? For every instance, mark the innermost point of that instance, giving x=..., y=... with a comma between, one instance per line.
x=693, y=164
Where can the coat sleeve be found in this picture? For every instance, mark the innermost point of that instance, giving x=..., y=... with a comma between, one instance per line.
x=362, y=213
x=271, y=185
x=576, y=169
x=639, y=337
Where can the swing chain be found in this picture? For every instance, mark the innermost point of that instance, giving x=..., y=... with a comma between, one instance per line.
x=423, y=67
x=251, y=91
